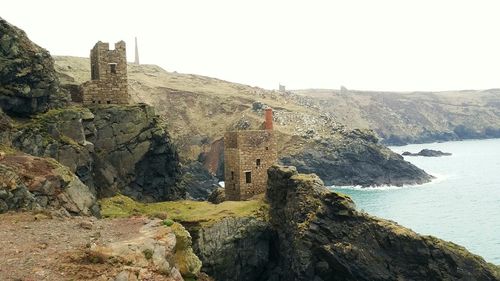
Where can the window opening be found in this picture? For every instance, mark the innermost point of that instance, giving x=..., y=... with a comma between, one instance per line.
x=248, y=177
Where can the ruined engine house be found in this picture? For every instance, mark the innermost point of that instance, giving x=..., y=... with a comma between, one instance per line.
x=108, y=68
x=247, y=156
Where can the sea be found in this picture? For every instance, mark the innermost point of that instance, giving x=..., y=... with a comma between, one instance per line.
x=462, y=203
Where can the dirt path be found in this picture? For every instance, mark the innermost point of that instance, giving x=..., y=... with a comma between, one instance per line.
x=35, y=247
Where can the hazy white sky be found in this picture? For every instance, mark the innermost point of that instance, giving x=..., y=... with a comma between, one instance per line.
x=361, y=44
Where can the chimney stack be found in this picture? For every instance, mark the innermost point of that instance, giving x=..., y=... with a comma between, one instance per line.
x=136, y=61
x=269, y=119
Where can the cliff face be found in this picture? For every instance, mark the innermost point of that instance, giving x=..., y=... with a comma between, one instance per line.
x=111, y=148
x=234, y=248
x=323, y=237
x=399, y=118
x=356, y=158
x=28, y=83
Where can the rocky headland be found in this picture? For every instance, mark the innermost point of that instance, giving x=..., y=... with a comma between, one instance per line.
x=311, y=233
x=427, y=153
x=400, y=118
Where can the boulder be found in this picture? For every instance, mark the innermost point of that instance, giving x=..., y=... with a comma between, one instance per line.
x=217, y=196
x=33, y=183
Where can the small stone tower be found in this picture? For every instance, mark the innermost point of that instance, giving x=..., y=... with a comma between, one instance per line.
x=108, y=71
x=247, y=156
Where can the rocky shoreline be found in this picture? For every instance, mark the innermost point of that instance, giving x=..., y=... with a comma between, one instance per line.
x=427, y=153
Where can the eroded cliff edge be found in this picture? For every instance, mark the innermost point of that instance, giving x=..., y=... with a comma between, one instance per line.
x=312, y=233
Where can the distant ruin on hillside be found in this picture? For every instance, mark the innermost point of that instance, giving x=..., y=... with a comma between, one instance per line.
x=108, y=71
x=247, y=156
x=282, y=88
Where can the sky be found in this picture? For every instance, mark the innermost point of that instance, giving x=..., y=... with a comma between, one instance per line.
x=398, y=45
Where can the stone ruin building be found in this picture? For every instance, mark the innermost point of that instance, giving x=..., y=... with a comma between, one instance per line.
x=247, y=156
x=282, y=88
x=108, y=70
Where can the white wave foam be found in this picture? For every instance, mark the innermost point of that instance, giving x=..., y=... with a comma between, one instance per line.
x=437, y=179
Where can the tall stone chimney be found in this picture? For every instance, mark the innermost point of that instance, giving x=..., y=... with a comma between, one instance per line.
x=269, y=118
x=136, y=61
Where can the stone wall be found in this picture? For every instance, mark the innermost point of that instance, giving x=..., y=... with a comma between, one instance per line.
x=247, y=152
x=109, y=75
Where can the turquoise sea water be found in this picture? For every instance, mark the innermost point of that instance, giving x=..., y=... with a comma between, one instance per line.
x=461, y=205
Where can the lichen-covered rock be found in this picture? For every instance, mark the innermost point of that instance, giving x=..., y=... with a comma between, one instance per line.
x=321, y=236
x=234, y=248
x=354, y=158
x=111, y=148
x=60, y=134
x=28, y=83
x=33, y=183
x=187, y=262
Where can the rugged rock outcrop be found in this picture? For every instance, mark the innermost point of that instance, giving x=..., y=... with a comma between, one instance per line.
x=134, y=153
x=111, y=148
x=33, y=183
x=28, y=83
x=354, y=158
x=234, y=248
x=321, y=236
x=427, y=153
